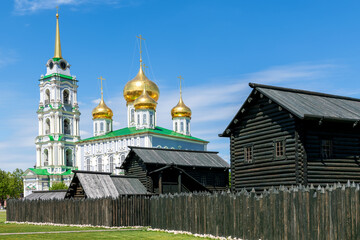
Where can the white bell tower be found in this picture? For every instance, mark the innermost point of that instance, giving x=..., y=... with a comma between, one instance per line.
x=58, y=115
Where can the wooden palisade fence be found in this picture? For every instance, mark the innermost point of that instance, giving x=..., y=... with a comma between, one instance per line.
x=122, y=211
x=298, y=212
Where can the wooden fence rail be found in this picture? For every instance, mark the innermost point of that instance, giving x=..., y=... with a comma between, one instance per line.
x=300, y=212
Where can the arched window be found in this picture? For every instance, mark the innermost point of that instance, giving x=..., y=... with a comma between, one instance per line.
x=144, y=119
x=67, y=126
x=95, y=127
x=176, y=127
x=88, y=167
x=132, y=116
x=109, y=127
x=101, y=126
x=151, y=119
x=187, y=126
x=66, y=97
x=100, y=166
x=138, y=119
x=47, y=96
x=111, y=160
x=122, y=158
x=181, y=127
x=46, y=157
x=47, y=126
x=68, y=157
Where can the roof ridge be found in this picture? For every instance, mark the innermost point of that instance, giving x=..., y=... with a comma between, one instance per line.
x=46, y=191
x=91, y=172
x=256, y=85
x=169, y=149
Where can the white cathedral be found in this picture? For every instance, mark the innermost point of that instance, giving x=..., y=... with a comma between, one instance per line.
x=59, y=148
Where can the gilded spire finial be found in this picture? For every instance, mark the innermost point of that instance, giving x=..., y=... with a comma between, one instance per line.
x=181, y=78
x=102, y=93
x=57, y=53
x=140, y=37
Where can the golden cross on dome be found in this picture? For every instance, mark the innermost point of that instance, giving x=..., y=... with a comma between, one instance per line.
x=57, y=9
x=140, y=37
x=101, y=79
x=181, y=78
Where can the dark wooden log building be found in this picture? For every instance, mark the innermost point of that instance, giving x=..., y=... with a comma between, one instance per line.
x=169, y=170
x=284, y=136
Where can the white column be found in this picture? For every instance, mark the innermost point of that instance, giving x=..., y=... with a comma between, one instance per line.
x=61, y=155
x=38, y=156
x=40, y=125
x=50, y=155
x=56, y=120
x=75, y=97
x=55, y=150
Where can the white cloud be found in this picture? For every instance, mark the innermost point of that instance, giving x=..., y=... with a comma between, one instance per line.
x=96, y=101
x=23, y=7
x=85, y=134
x=7, y=57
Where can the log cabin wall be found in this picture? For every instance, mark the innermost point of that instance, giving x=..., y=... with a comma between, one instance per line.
x=262, y=125
x=138, y=169
x=211, y=178
x=333, y=151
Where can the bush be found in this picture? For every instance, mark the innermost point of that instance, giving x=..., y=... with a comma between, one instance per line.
x=58, y=186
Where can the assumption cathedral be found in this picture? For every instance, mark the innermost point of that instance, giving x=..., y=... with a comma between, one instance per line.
x=59, y=147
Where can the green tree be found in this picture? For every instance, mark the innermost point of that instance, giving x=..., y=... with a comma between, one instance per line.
x=58, y=186
x=4, y=185
x=16, y=187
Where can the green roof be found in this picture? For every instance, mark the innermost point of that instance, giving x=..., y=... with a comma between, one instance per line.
x=40, y=171
x=57, y=74
x=133, y=130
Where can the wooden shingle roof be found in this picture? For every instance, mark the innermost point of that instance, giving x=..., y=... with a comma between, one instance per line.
x=178, y=157
x=46, y=195
x=103, y=184
x=305, y=104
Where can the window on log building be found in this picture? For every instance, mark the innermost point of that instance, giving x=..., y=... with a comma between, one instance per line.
x=326, y=148
x=279, y=148
x=248, y=153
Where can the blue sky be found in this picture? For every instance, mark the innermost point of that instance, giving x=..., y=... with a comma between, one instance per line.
x=217, y=46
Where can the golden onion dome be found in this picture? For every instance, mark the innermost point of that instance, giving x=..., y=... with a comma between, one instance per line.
x=102, y=111
x=145, y=101
x=134, y=88
x=181, y=110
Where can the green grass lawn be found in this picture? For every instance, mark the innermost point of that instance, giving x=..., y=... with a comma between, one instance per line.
x=125, y=234
x=131, y=235
x=2, y=216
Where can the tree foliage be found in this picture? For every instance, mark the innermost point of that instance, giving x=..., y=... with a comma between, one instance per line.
x=16, y=183
x=11, y=184
x=58, y=186
x=4, y=184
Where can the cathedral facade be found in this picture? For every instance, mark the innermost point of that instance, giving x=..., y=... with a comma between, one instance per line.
x=59, y=148
x=107, y=149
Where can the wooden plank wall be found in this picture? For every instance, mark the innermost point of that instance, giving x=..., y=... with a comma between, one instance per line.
x=344, y=164
x=263, y=123
x=138, y=169
x=285, y=213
